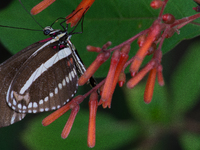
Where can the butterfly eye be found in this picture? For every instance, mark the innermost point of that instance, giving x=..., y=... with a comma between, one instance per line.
x=47, y=30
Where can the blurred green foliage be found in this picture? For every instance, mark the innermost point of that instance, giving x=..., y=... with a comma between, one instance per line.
x=167, y=122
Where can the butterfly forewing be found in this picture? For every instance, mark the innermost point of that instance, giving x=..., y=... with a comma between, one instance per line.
x=46, y=81
x=8, y=69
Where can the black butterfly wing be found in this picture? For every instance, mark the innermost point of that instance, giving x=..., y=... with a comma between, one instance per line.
x=46, y=81
x=8, y=69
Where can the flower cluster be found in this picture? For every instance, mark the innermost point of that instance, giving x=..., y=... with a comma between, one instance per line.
x=150, y=42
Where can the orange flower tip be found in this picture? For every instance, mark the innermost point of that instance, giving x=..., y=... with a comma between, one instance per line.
x=44, y=122
x=155, y=4
x=105, y=105
x=161, y=83
x=147, y=101
x=115, y=56
x=93, y=49
x=141, y=40
x=91, y=145
x=133, y=73
x=121, y=83
x=129, y=85
x=126, y=48
x=168, y=18
x=100, y=103
x=122, y=79
x=82, y=80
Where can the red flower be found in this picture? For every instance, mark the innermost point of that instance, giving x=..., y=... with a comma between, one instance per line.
x=81, y=9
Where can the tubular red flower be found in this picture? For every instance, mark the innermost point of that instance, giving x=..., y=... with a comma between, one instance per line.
x=143, y=50
x=70, y=122
x=101, y=58
x=81, y=9
x=93, y=105
x=123, y=59
x=168, y=18
x=122, y=79
x=110, y=77
x=140, y=75
x=41, y=6
x=56, y=114
x=148, y=93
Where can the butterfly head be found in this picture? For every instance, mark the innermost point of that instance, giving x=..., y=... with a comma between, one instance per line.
x=50, y=31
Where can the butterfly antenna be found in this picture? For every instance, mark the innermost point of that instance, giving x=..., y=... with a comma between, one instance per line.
x=20, y=28
x=30, y=14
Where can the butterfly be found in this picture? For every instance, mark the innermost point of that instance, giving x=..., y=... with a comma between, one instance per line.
x=42, y=77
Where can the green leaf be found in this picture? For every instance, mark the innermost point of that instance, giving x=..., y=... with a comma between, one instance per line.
x=110, y=133
x=190, y=141
x=113, y=20
x=185, y=81
x=157, y=111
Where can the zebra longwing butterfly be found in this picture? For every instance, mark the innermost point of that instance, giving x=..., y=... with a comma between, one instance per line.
x=41, y=77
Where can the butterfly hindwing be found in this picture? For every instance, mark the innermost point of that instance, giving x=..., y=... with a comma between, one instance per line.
x=8, y=69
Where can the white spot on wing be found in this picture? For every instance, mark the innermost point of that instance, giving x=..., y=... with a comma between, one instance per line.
x=70, y=78
x=67, y=79
x=56, y=90
x=51, y=94
x=13, y=118
x=14, y=102
x=9, y=104
x=35, y=105
x=60, y=86
x=30, y=105
x=63, y=82
x=46, y=99
x=19, y=106
x=72, y=73
x=41, y=101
